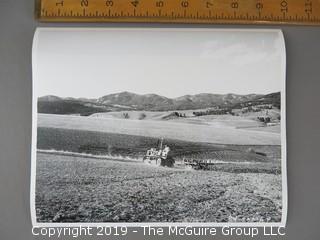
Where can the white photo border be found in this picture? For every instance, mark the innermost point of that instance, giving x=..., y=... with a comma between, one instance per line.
x=160, y=224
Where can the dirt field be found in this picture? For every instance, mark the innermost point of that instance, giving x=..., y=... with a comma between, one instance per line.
x=78, y=189
x=89, y=169
x=222, y=132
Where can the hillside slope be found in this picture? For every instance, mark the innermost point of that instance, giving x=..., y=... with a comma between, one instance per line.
x=126, y=101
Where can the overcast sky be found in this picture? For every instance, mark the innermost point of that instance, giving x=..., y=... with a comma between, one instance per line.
x=172, y=63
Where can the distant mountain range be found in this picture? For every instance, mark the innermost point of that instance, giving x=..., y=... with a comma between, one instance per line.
x=125, y=101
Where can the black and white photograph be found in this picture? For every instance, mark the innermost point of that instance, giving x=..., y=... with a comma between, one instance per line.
x=159, y=126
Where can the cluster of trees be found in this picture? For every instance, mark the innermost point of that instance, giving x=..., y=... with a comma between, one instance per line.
x=256, y=109
x=178, y=114
x=266, y=107
x=277, y=105
x=126, y=115
x=142, y=116
x=264, y=119
x=212, y=112
x=259, y=104
x=250, y=109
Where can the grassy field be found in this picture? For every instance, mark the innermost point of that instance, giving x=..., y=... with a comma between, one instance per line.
x=246, y=121
x=214, y=132
x=99, y=143
x=78, y=189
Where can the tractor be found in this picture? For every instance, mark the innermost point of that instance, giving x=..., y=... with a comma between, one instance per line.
x=159, y=156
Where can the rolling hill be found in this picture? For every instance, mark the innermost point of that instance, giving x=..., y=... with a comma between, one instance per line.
x=136, y=101
x=272, y=98
x=126, y=101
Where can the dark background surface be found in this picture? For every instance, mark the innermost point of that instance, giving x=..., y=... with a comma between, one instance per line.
x=17, y=27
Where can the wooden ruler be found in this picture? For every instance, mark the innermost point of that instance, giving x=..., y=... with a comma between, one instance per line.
x=181, y=11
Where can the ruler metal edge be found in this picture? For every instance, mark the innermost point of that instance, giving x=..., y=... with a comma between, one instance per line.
x=181, y=20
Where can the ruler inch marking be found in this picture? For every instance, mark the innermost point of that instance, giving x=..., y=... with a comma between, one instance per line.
x=301, y=12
